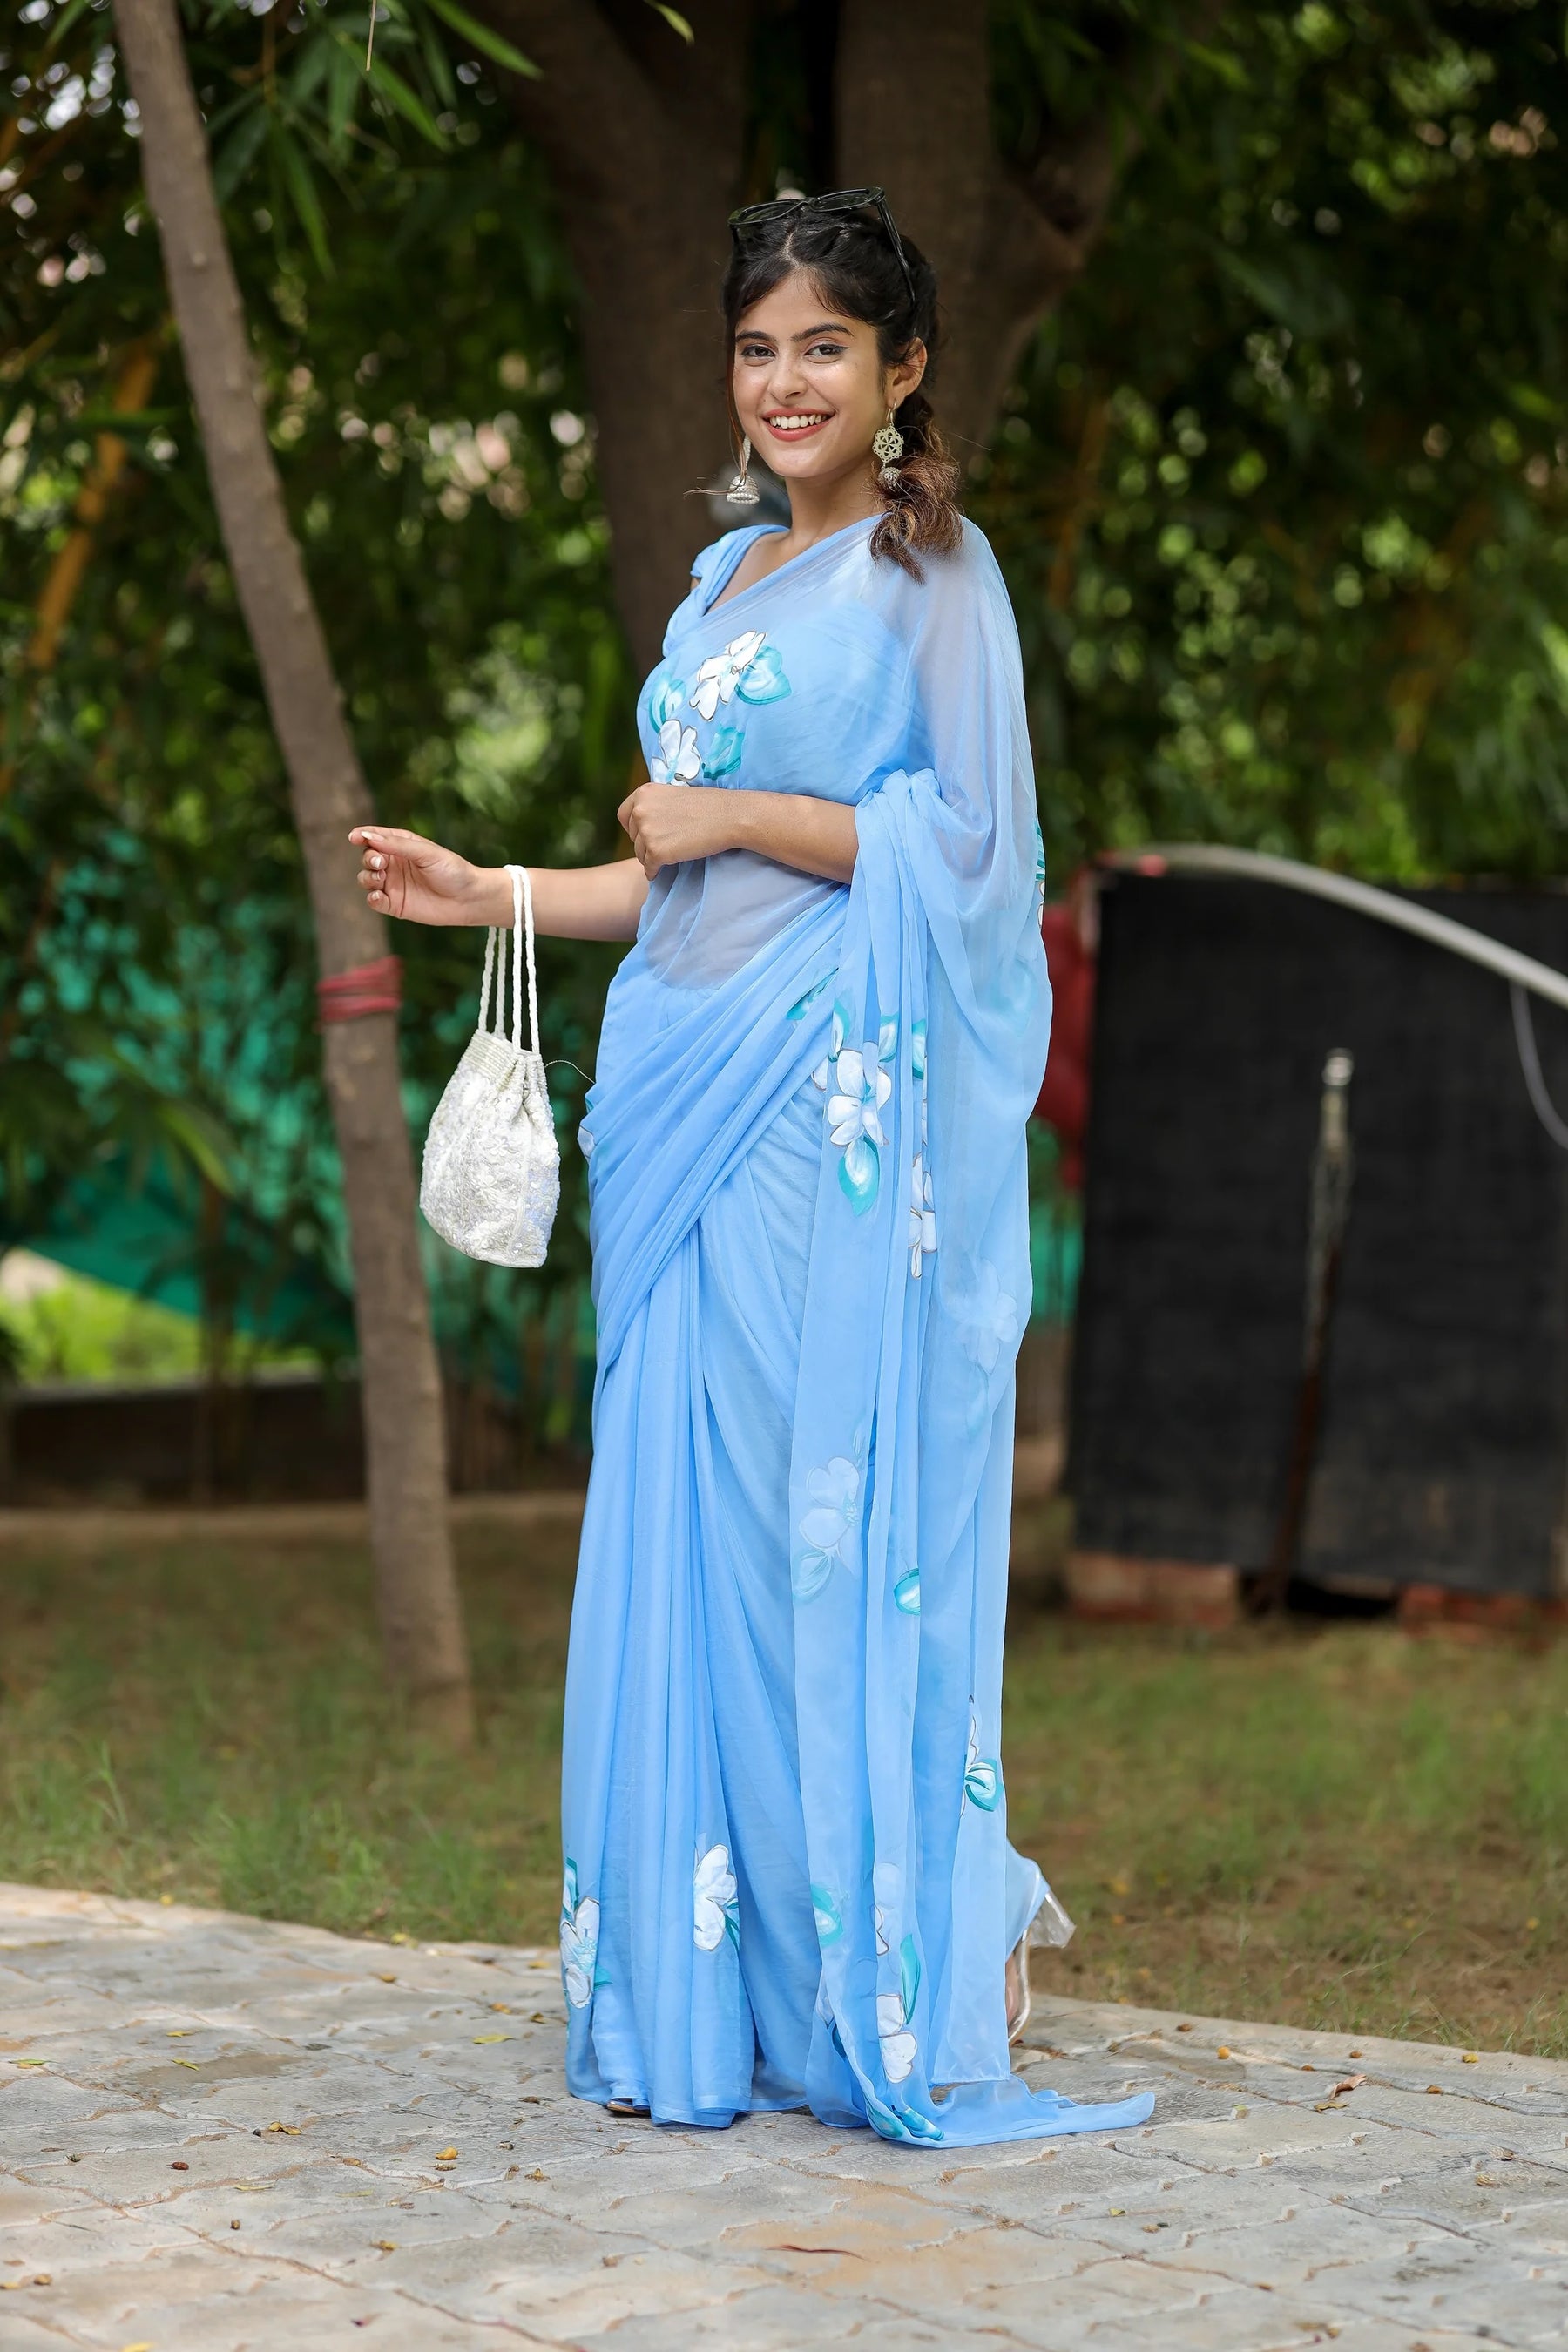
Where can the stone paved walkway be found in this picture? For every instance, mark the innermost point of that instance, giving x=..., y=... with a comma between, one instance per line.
x=217, y=2133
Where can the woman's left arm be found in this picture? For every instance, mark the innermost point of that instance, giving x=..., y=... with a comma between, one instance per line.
x=669, y=824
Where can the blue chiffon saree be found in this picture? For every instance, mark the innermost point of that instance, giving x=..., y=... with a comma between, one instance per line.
x=787, y=1879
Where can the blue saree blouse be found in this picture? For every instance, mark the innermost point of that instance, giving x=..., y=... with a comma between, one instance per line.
x=787, y=1878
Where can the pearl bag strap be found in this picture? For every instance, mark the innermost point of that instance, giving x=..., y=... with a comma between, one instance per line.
x=485, y=983
x=521, y=949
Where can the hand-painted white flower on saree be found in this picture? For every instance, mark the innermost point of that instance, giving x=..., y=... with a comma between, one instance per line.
x=922, y=1216
x=989, y=1321
x=579, y=1941
x=898, y=2045
x=983, y=1775
x=825, y=1526
x=676, y=759
x=721, y=674
x=713, y=1910
x=863, y=1086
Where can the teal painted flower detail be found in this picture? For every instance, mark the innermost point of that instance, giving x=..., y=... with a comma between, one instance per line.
x=802, y=1005
x=824, y=1527
x=665, y=698
x=721, y=677
x=828, y=1913
x=919, y=2126
x=722, y=756
x=894, y=2012
x=714, y=1913
x=762, y=678
x=907, y=1592
x=918, y=1050
x=891, y=2126
x=983, y=1775
x=854, y=1117
x=579, y=1941
x=887, y=1036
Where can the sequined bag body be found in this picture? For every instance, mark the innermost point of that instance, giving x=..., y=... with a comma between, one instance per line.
x=493, y=1166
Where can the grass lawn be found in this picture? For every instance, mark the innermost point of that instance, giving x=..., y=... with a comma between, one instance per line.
x=1337, y=1826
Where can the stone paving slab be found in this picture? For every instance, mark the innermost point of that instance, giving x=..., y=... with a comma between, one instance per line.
x=225, y=2134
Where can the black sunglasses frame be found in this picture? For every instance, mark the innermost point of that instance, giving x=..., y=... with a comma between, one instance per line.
x=837, y=202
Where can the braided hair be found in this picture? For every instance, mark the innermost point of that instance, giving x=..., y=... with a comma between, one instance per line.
x=856, y=272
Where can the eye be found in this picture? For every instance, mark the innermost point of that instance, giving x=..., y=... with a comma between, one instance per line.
x=755, y=351
x=827, y=350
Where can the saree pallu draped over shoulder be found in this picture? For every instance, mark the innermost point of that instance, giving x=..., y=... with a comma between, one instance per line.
x=787, y=1880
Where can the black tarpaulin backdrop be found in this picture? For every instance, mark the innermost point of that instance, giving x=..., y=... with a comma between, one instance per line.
x=1444, y=1434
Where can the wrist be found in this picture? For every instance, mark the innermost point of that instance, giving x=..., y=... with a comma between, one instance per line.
x=489, y=897
x=743, y=816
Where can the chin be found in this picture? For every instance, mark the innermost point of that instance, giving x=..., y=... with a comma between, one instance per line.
x=801, y=464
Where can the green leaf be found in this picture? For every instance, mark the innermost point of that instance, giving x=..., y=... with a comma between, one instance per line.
x=674, y=19
x=490, y=45
x=239, y=151
x=64, y=21
x=1229, y=69
x=437, y=61
x=396, y=92
x=301, y=187
x=342, y=96
x=1531, y=401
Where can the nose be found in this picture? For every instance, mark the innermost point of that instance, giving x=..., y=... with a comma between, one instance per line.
x=786, y=378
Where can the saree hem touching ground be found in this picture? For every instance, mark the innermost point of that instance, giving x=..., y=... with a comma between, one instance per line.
x=787, y=1879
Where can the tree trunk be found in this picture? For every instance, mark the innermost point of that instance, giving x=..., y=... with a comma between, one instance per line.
x=416, y=1587
x=645, y=136
x=913, y=100
x=643, y=208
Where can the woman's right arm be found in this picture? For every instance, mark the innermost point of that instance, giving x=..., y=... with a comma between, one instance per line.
x=403, y=874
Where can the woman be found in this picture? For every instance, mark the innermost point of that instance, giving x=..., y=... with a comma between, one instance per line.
x=787, y=1877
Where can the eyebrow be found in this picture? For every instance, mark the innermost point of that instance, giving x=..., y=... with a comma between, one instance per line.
x=809, y=334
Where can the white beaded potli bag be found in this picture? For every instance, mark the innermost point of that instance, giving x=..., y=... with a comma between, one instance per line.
x=493, y=1166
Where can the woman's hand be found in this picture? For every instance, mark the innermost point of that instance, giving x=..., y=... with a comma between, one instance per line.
x=405, y=875
x=669, y=824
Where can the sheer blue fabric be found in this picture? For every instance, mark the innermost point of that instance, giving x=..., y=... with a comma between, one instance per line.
x=787, y=1880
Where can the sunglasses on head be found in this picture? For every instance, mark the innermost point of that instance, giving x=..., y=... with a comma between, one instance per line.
x=840, y=203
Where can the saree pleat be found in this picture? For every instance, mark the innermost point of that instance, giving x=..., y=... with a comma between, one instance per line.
x=788, y=1879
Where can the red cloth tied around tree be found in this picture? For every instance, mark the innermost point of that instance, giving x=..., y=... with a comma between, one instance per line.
x=364, y=989
x=1068, y=929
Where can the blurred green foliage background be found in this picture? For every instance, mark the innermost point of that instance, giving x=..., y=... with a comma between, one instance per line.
x=1281, y=493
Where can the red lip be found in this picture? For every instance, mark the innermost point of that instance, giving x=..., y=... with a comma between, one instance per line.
x=795, y=433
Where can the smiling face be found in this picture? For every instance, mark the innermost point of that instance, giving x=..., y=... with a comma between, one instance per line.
x=810, y=387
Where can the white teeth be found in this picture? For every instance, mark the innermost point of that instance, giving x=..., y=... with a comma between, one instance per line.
x=794, y=424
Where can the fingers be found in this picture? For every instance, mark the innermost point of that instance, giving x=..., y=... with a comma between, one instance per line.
x=392, y=838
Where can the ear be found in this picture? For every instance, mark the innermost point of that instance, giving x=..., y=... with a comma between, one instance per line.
x=904, y=376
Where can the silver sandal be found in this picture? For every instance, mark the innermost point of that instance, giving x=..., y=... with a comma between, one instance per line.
x=1018, y=2019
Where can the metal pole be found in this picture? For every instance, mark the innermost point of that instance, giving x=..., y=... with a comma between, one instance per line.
x=1362, y=899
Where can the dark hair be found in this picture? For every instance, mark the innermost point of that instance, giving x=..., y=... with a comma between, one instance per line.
x=859, y=275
